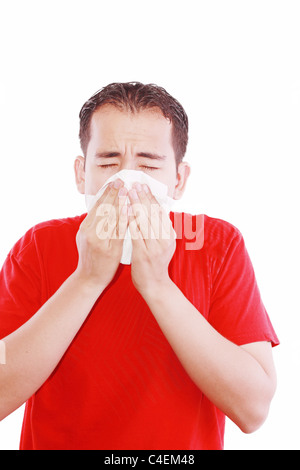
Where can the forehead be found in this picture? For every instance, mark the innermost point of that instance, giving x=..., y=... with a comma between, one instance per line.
x=110, y=123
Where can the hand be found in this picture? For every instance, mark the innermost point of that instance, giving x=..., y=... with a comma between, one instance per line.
x=100, y=237
x=153, y=241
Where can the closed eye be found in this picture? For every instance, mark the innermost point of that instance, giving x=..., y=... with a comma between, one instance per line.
x=144, y=167
x=149, y=168
x=108, y=165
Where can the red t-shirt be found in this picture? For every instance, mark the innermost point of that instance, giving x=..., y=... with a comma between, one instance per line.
x=120, y=385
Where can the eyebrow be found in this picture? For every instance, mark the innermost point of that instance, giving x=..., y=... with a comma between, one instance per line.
x=152, y=156
x=107, y=154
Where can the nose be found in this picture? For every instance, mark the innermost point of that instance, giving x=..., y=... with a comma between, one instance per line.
x=128, y=166
x=128, y=163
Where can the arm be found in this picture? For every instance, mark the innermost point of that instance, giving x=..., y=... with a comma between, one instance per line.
x=240, y=381
x=34, y=350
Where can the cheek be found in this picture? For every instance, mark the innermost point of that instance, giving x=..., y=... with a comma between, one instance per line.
x=170, y=181
x=94, y=180
x=172, y=186
x=171, y=191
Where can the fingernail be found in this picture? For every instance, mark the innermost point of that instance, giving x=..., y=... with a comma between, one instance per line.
x=133, y=194
x=138, y=187
x=117, y=184
x=124, y=210
x=145, y=188
x=130, y=211
x=122, y=192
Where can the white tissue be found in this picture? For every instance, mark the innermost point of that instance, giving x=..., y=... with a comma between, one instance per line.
x=158, y=189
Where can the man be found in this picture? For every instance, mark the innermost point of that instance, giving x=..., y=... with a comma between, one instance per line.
x=147, y=356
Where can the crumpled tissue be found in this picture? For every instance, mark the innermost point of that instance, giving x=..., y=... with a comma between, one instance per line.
x=158, y=189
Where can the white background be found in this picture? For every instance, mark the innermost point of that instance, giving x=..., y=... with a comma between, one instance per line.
x=234, y=66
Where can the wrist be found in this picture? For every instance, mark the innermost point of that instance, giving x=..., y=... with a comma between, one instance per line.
x=87, y=285
x=156, y=290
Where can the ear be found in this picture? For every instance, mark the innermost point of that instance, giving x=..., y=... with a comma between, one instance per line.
x=79, y=168
x=183, y=173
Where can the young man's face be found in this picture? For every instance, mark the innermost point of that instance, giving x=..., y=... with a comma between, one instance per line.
x=122, y=140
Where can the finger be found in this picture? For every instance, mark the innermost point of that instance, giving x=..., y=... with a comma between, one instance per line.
x=114, y=219
x=122, y=215
x=165, y=223
x=106, y=221
x=168, y=231
x=110, y=195
x=123, y=222
x=106, y=210
x=92, y=213
x=141, y=215
x=159, y=225
x=133, y=227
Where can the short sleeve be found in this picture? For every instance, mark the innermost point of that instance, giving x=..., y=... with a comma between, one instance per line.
x=236, y=309
x=20, y=287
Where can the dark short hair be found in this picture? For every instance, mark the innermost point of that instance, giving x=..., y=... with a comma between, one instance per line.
x=135, y=96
